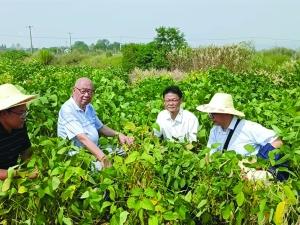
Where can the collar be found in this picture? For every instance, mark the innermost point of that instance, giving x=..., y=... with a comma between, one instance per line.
x=77, y=108
x=232, y=123
x=179, y=116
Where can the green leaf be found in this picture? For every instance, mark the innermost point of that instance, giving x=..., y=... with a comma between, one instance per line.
x=149, y=192
x=147, y=204
x=148, y=158
x=68, y=174
x=249, y=148
x=290, y=195
x=6, y=184
x=68, y=193
x=22, y=190
x=240, y=198
x=112, y=193
x=131, y=202
x=86, y=194
x=188, y=196
x=55, y=183
x=201, y=204
x=67, y=221
x=170, y=215
x=132, y=157
x=227, y=211
x=123, y=217
x=153, y=220
x=279, y=213
x=137, y=192
x=155, y=126
x=60, y=215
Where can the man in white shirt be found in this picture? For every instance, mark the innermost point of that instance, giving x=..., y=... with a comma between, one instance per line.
x=176, y=123
x=232, y=133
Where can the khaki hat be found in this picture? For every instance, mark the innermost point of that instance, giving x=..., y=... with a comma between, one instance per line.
x=220, y=103
x=10, y=97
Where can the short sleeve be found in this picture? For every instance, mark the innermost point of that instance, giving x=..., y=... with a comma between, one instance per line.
x=260, y=134
x=193, y=128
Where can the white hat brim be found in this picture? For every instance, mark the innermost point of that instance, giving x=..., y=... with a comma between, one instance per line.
x=16, y=100
x=211, y=109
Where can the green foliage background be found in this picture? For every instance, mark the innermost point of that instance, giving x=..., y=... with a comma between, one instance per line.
x=157, y=183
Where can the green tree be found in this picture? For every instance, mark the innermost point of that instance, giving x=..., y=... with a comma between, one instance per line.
x=102, y=44
x=169, y=38
x=80, y=46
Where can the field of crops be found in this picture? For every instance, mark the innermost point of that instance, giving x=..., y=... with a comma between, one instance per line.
x=158, y=182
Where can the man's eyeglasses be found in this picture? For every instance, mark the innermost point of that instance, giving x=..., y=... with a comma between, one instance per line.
x=172, y=100
x=22, y=114
x=85, y=90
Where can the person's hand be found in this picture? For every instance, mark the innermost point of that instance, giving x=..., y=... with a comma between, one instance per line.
x=25, y=173
x=34, y=174
x=125, y=139
x=105, y=162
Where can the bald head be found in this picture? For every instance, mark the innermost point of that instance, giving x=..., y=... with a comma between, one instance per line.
x=83, y=92
x=82, y=82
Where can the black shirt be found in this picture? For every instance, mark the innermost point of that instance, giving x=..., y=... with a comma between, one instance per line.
x=12, y=145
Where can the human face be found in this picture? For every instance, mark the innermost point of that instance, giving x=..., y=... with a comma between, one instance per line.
x=172, y=102
x=14, y=118
x=217, y=118
x=83, y=93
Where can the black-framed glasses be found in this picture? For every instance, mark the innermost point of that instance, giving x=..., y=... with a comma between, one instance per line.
x=21, y=114
x=85, y=90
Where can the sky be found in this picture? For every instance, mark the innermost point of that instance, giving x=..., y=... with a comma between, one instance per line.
x=266, y=23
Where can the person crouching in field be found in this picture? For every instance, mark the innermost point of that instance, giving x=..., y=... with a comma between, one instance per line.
x=14, y=140
x=234, y=133
x=79, y=122
x=174, y=122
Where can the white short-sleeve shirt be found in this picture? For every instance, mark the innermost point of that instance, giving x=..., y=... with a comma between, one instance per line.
x=246, y=133
x=72, y=121
x=184, y=126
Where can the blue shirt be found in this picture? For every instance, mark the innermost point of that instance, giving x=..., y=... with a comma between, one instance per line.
x=72, y=121
x=246, y=133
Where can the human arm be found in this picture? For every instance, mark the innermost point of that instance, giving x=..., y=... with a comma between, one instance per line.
x=3, y=174
x=193, y=129
x=277, y=143
x=108, y=132
x=94, y=149
x=31, y=175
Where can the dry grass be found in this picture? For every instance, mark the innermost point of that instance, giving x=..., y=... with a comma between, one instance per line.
x=234, y=57
x=138, y=75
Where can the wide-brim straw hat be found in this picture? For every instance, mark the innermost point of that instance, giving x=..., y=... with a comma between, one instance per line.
x=10, y=97
x=220, y=103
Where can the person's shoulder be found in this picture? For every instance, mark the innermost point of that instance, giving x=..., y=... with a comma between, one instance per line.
x=250, y=124
x=163, y=114
x=189, y=114
x=67, y=106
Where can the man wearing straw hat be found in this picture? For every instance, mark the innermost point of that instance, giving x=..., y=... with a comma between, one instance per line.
x=14, y=141
x=233, y=133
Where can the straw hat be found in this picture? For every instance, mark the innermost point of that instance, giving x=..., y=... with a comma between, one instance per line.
x=220, y=103
x=10, y=97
